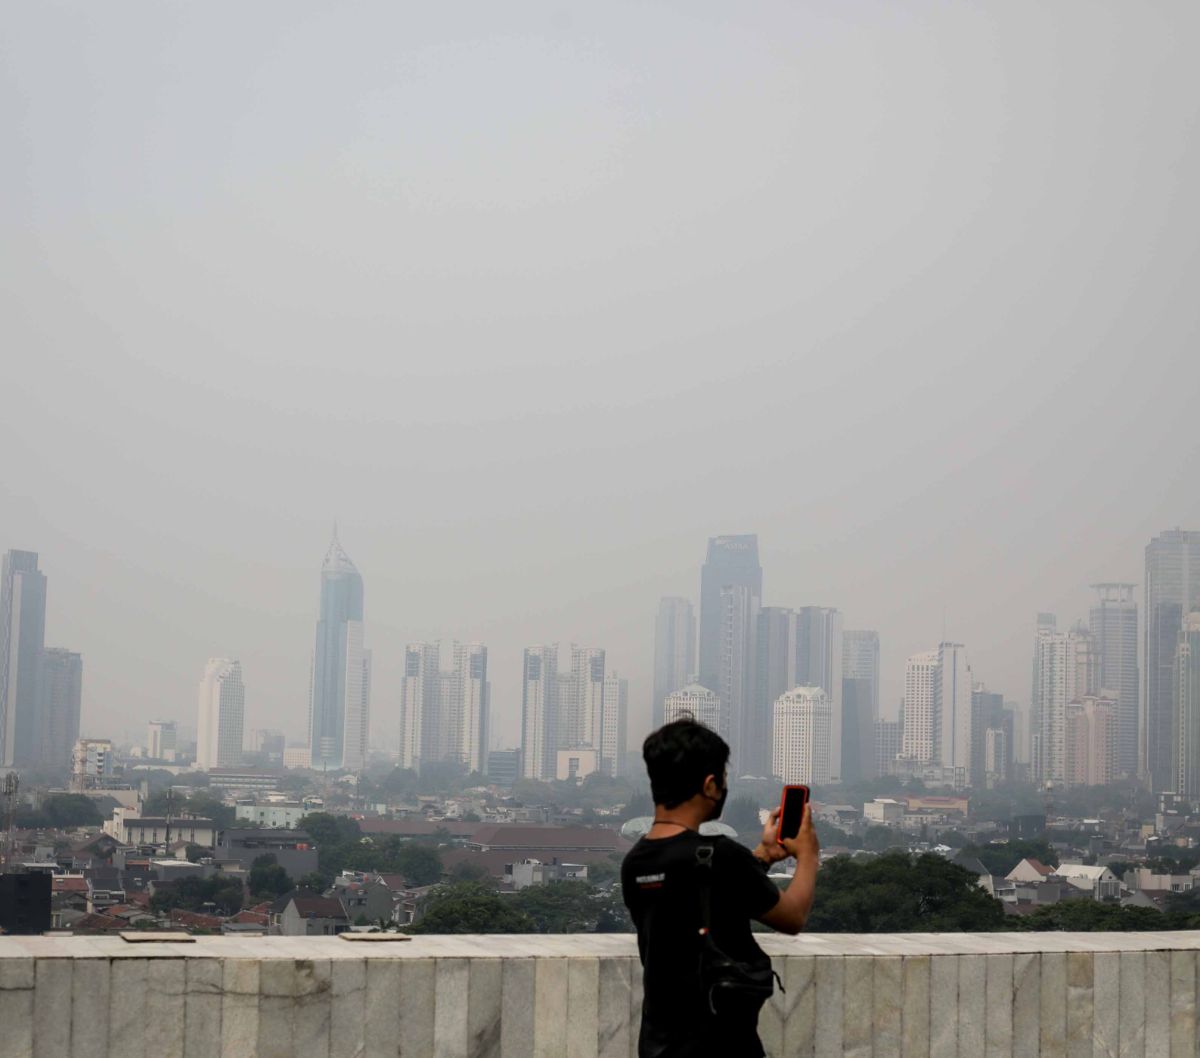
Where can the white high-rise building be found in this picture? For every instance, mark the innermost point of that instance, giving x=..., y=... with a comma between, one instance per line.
x=161, y=739
x=736, y=671
x=674, y=651
x=222, y=715
x=1067, y=669
x=614, y=725
x=694, y=702
x=1114, y=623
x=802, y=737
x=952, y=710
x=444, y=714
x=921, y=737
x=539, y=713
x=582, y=706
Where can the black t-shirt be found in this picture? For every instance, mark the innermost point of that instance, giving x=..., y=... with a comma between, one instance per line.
x=661, y=889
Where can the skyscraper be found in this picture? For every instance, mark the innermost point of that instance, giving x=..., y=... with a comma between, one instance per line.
x=221, y=718
x=776, y=646
x=444, y=714
x=615, y=721
x=921, y=737
x=991, y=724
x=1067, y=667
x=1091, y=755
x=819, y=664
x=1114, y=623
x=952, y=708
x=539, y=713
x=60, y=690
x=161, y=739
x=674, y=651
x=732, y=561
x=22, y=636
x=860, y=704
x=1187, y=660
x=735, y=673
x=581, y=700
x=888, y=742
x=800, y=743
x=340, y=694
x=1172, y=592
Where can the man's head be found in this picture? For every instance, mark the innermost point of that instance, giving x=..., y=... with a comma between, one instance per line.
x=686, y=761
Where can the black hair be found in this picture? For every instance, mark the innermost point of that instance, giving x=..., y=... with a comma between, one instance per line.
x=679, y=756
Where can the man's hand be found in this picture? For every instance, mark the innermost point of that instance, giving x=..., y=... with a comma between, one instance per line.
x=769, y=850
x=804, y=846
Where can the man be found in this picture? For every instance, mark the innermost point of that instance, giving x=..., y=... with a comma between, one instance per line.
x=687, y=762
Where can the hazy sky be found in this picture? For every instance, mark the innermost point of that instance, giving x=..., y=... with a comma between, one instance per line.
x=534, y=298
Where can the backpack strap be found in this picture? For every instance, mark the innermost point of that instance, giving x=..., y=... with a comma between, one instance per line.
x=704, y=861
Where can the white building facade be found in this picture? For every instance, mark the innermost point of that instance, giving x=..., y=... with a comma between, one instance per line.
x=695, y=703
x=802, y=739
x=221, y=718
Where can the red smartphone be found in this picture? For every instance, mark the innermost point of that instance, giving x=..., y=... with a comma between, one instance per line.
x=791, y=811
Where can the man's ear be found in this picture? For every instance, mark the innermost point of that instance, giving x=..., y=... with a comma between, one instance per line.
x=711, y=788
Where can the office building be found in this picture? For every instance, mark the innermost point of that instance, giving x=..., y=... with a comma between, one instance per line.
x=674, y=651
x=694, y=702
x=469, y=718
x=1187, y=680
x=888, y=740
x=775, y=675
x=997, y=761
x=539, y=713
x=1092, y=741
x=22, y=637
x=736, y=674
x=1114, y=623
x=860, y=704
x=952, y=707
x=732, y=561
x=161, y=739
x=419, y=697
x=339, y=698
x=801, y=741
x=269, y=746
x=504, y=766
x=1172, y=592
x=1067, y=667
x=819, y=664
x=92, y=762
x=993, y=735
x=581, y=699
x=220, y=725
x=614, y=727
x=60, y=688
x=1046, y=622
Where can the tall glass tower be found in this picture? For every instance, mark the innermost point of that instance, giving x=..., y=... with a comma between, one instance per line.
x=22, y=636
x=339, y=694
x=1114, y=623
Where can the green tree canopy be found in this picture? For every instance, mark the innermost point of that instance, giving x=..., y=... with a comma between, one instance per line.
x=1000, y=858
x=469, y=907
x=219, y=895
x=1084, y=916
x=900, y=893
x=266, y=878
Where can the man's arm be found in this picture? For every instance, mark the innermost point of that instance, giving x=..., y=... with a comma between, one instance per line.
x=791, y=912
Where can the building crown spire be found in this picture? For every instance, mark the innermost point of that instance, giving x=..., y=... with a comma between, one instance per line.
x=336, y=559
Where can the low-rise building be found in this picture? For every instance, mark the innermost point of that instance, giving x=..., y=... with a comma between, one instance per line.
x=301, y=914
x=293, y=850
x=884, y=810
x=534, y=872
x=274, y=815
x=1097, y=880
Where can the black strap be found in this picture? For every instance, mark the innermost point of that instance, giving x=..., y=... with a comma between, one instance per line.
x=704, y=858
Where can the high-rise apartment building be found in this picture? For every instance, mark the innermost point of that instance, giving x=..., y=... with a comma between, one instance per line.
x=339, y=699
x=952, y=707
x=22, y=637
x=539, y=713
x=161, y=739
x=221, y=718
x=1067, y=668
x=732, y=561
x=674, y=651
x=1172, y=592
x=614, y=727
x=444, y=715
x=581, y=699
x=819, y=664
x=1114, y=623
x=736, y=674
x=1092, y=741
x=860, y=704
x=993, y=735
x=1187, y=681
x=921, y=739
x=60, y=690
x=801, y=740
x=695, y=703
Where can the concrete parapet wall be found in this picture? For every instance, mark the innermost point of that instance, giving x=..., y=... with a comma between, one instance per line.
x=579, y=996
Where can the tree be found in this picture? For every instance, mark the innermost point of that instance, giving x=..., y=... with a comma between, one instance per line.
x=329, y=830
x=60, y=812
x=560, y=907
x=420, y=865
x=1086, y=916
x=602, y=872
x=466, y=871
x=266, y=878
x=315, y=882
x=469, y=907
x=637, y=807
x=831, y=836
x=901, y=893
x=1000, y=858
x=219, y=894
x=879, y=838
